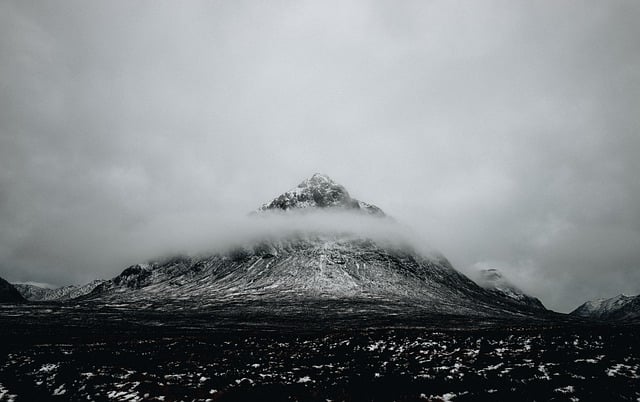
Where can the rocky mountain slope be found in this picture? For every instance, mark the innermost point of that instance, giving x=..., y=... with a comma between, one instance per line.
x=621, y=307
x=313, y=266
x=494, y=281
x=8, y=293
x=39, y=293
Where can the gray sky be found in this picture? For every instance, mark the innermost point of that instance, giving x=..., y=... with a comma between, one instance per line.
x=506, y=133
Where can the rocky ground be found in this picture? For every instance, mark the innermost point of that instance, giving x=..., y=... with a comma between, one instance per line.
x=69, y=352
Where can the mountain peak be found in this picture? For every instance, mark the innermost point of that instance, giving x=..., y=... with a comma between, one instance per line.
x=320, y=177
x=319, y=191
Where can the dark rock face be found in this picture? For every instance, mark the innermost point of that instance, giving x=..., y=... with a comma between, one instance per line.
x=9, y=294
x=621, y=307
x=133, y=277
x=319, y=191
x=493, y=280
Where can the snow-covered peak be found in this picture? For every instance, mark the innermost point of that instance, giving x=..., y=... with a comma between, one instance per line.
x=607, y=304
x=620, y=306
x=318, y=178
x=319, y=191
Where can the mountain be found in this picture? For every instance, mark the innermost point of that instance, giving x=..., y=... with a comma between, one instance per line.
x=494, y=281
x=8, y=293
x=621, y=307
x=319, y=191
x=309, y=265
x=38, y=293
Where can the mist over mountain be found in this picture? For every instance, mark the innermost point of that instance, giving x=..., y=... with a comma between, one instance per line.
x=503, y=133
x=313, y=243
x=319, y=200
x=493, y=280
x=318, y=205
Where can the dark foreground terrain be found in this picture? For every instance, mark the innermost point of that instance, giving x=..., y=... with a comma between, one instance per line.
x=77, y=352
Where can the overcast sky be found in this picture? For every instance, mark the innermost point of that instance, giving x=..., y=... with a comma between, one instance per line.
x=506, y=133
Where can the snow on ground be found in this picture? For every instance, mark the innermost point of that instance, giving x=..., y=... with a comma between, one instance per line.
x=434, y=365
x=5, y=395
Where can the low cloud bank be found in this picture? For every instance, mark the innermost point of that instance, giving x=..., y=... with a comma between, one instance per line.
x=105, y=251
x=274, y=226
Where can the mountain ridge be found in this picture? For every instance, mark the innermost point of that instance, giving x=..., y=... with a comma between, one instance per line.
x=33, y=292
x=620, y=307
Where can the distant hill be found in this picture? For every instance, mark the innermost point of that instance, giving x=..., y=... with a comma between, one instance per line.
x=620, y=307
x=33, y=292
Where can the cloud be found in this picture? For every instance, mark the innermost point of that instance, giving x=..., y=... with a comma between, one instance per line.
x=500, y=131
